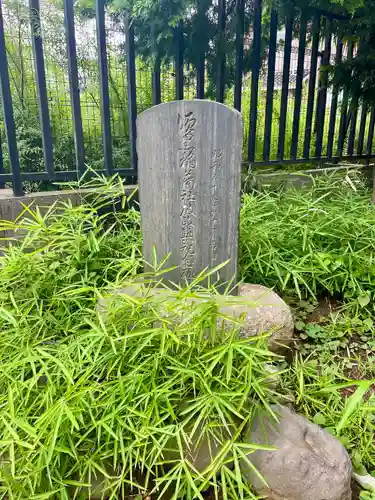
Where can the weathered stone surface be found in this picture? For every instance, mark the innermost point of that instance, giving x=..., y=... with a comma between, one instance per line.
x=100, y=488
x=263, y=311
x=203, y=446
x=309, y=463
x=259, y=309
x=189, y=162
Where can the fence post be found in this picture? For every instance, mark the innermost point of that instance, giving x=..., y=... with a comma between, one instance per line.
x=240, y=18
x=369, y=149
x=299, y=83
x=104, y=90
x=132, y=92
x=73, y=84
x=201, y=37
x=285, y=84
x=220, y=67
x=344, y=111
x=322, y=94
x=362, y=128
x=270, y=85
x=10, y=128
x=179, y=70
x=364, y=111
x=40, y=75
x=156, y=88
x=2, y=183
x=255, y=80
x=353, y=125
x=333, y=112
x=370, y=138
x=312, y=82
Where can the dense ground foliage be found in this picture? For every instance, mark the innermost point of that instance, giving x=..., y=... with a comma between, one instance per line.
x=311, y=241
x=117, y=398
x=315, y=244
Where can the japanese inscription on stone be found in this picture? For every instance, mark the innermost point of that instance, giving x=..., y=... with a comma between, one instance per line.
x=189, y=168
x=216, y=166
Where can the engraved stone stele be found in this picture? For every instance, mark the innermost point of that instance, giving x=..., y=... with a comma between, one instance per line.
x=189, y=167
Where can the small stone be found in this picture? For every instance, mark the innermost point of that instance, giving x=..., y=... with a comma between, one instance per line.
x=263, y=311
x=307, y=464
x=273, y=380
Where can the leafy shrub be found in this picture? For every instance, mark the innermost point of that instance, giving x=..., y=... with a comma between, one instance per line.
x=324, y=391
x=107, y=402
x=367, y=495
x=313, y=241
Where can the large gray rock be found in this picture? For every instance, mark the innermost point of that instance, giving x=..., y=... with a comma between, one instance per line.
x=189, y=164
x=262, y=311
x=308, y=463
x=256, y=308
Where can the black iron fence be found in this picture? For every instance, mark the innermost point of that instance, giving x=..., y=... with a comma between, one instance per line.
x=63, y=84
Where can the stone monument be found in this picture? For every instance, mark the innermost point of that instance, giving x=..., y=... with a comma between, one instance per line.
x=189, y=164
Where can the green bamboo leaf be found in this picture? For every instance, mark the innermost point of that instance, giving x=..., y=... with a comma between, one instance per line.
x=352, y=404
x=51, y=447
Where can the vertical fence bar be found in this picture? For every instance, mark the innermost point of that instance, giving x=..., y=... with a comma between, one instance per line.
x=370, y=138
x=73, y=84
x=353, y=127
x=369, y=149
x=299, y=83
x=220, y=69
x=200, y=76
x=179, y=63
x=156, y=87
x=201, y=49
x=132, y=93
x=40, y=76
x=344, y=112
x=354, y=117
x=285, y=85
x=363, y=117
x=270, y=85
x=370, y=141
x=312, y=82
x=362, y=128
x=2, y=183
x=104, y=91
x=255, y=79
x=10, y=128
x=156, y=72
x=322, y=95
x=333, y=111
x=240, y=18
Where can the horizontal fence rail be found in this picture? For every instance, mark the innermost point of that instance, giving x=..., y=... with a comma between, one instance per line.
x=82, y=88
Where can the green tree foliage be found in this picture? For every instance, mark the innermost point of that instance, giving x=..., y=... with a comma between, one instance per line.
x=358, y=75
x=156, y=22
x=354, y=20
